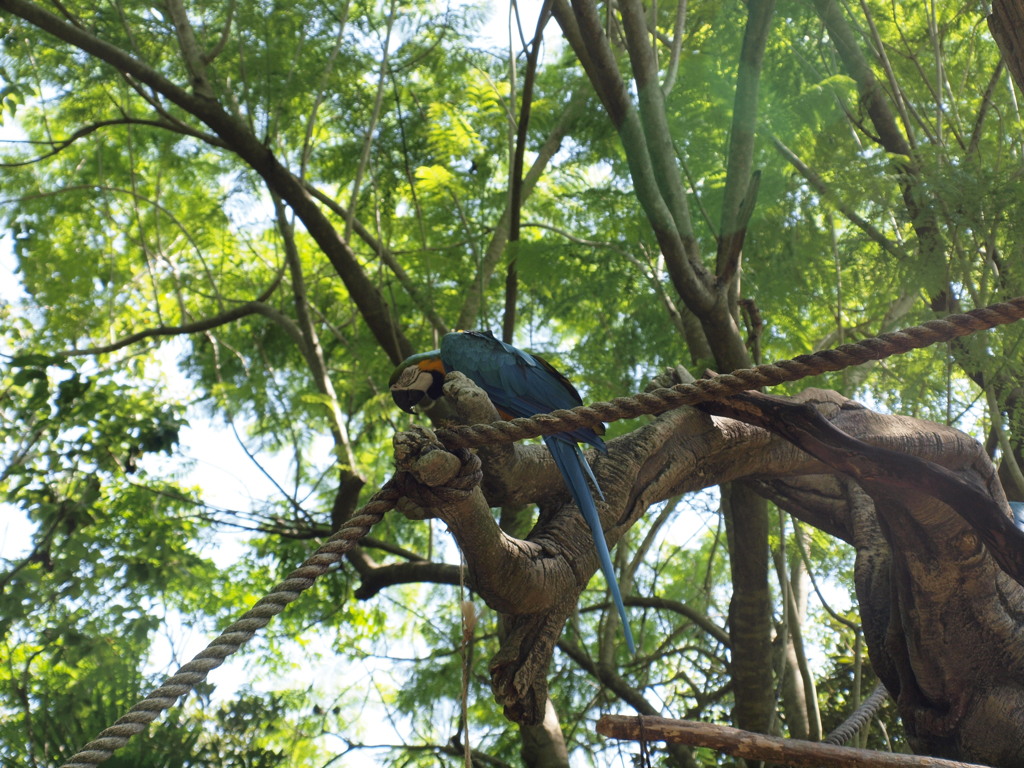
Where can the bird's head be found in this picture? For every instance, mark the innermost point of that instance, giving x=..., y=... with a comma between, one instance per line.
x=417, y=381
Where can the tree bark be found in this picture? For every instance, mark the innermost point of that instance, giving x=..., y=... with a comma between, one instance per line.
x=942, y=619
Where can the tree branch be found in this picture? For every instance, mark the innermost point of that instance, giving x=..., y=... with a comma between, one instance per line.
x=740, y=184
x=880, y=470
x=583, y=29
x=377, y=579
x=871, y=93
x=385, y=255
x=58, y=146
x=236, y=313
x=225, y=34
x=312, y=350
x=822, y=187
x=676, y=48
x=696, y=617
x=190, y=53
x=240, y=139
x=654, y=117
x=1006, y=22
x=469, y=315
x=515, y=196
x=607, y=676
x=758, y=747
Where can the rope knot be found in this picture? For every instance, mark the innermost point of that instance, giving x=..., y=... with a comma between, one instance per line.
x=430, y=475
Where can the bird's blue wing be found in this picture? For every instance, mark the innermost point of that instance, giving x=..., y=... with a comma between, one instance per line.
x=518, y=383
x=521, y=384
x=572, y=464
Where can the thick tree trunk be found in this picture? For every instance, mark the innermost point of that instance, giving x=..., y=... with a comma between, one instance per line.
x=750, y=610
x=543, y=745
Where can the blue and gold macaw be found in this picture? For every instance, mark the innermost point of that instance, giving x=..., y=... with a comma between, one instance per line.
x=518, y=384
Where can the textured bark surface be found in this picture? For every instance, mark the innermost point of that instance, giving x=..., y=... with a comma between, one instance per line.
x=942, y=619
x=1006, y=23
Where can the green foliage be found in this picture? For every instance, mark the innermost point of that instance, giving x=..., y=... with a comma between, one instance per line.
x=126, y=213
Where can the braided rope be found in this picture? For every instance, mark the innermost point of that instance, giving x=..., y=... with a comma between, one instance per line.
x=851, y=725
x=138, y=718
x=720, y=387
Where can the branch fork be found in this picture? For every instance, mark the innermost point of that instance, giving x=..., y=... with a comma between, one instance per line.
x=534, y=583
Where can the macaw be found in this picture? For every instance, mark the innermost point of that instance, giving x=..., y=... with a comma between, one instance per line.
x=518, y=384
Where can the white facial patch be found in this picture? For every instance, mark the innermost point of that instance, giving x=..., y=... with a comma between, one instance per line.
x=414, y=377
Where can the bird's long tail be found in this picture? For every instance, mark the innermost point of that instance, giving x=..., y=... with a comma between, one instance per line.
x=575, y=471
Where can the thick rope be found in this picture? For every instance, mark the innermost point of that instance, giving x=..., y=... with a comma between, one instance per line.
x=720, y=387
x=138, y=718
x=853, y=724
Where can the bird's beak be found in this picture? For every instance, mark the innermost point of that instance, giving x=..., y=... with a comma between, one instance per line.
x=406, y=399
